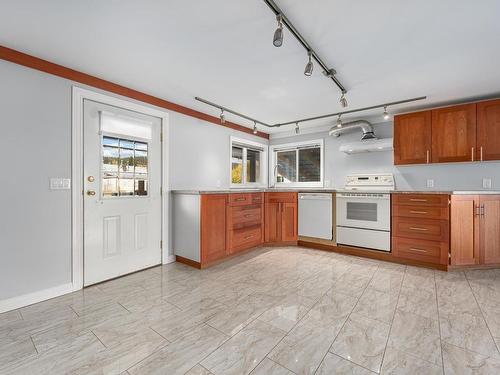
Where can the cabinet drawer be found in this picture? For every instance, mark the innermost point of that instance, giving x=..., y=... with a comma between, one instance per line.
x=243, y=215
x=281, y=197
x=246, y=237
x=426, y=229
x=425, y=251
x=438, y=200
x=240, y=199
x=439, y=213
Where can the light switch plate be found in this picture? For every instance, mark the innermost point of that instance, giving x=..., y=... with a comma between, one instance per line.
x=327, y=183
x=430, y=183
x=57, y=183
x=486, y=183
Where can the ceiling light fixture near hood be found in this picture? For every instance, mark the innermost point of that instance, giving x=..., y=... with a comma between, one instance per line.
x=222, y=117
x=308, y=71
x=278, y=34
x=386, y=114
x=343, y=101
x=255, y=131
x=297, y=129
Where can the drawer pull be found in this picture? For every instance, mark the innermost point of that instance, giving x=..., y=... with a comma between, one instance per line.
x=418, y=212
x=418, y=250
x=419, y=229
x=240, y=199
x=418, y=200
x=249, y=215
x=248, y=237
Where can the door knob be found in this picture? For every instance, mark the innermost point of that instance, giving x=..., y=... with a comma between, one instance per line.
x=90, y=192
x=90, y=178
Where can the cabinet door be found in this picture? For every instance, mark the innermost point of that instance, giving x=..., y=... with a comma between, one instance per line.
x=412, y=138
x=464, y=229
x=490, y=229
x=454, y=134
x=213, y=227
x=488, y=130
x=273, y=222
x=289, y=230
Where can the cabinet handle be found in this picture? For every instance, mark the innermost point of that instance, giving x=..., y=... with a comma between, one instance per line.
x=427, y=156
x=240, y=199
x=248, y=237
x=249, y=215
x=419, y=229
x=418, y=250
x=472, y=154
x=481, y=153
x=481, y=210
x=418, y=212
x=418, y=200
x=478, y=211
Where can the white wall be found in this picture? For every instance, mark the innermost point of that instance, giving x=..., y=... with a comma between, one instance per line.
x=35, y=223
x=455, y=176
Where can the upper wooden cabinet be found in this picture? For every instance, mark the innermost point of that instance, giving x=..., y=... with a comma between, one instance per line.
x=412, y=138
x=488, y=130
x=454, y=134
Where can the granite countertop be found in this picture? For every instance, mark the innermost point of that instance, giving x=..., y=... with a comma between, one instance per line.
x=328, y=190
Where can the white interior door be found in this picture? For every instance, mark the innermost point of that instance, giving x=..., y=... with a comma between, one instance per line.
x=122, y=200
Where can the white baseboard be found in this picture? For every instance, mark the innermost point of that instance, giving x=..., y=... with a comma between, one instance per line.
x=170, y=259
x=31, y=298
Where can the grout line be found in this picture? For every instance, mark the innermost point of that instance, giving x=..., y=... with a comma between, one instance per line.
x=37, y=352
x=98, y=338
x=158, y=333
x=439, y=323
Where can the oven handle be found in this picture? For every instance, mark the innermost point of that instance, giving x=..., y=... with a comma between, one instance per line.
x=364, y=197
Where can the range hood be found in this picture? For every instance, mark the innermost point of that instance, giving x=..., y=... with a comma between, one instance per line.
x=369, y=145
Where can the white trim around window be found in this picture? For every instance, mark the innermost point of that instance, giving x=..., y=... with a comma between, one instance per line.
x=246, y=145
x=296, y=146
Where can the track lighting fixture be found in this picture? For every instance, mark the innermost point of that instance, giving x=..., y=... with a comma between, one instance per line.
x=222, y=117
x=278, y=34
x=343, y=100
x=255, y=131
x=386, y=115
x=309, y=66
x=297, y=129
x=339, y=122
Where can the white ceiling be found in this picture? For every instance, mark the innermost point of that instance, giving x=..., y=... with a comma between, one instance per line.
x=222, y=50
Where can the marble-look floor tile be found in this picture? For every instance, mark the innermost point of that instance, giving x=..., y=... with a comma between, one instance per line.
x=333, y=364
x=268, y=367
x=418, y=301
x=181, y=355
x=198, y=370
x=377, y=305
x=398, y=362
x=243, y=352
x=387, y=282
x=9, y=317
x=284, y=316
x=416, y=335
x=16, y=351
x=233, y=319
x=492, y=317
x=458, y=361
x=362, y=341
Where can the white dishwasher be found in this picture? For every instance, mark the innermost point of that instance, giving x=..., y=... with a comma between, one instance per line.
x=315, y=215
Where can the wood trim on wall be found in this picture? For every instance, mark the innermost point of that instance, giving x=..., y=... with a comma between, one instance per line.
x=36, y=63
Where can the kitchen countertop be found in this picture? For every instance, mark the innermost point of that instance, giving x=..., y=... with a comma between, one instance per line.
x=327, y=190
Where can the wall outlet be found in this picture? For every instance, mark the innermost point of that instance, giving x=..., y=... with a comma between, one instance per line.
x=430, y=183
x=218, y=183
x=327, y=183
x=60, y=183
x=486, y=183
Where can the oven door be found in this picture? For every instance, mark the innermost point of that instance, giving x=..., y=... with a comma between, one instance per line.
x=367, y=211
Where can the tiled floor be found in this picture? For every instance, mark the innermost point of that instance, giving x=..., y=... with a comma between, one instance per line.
x=273, y=311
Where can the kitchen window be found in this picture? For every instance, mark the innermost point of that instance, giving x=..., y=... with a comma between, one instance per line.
x=248, y=163
x=298, y=164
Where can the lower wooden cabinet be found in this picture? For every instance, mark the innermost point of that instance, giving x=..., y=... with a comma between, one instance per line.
x=213, y=227
x=281, y=218
x=475, y=229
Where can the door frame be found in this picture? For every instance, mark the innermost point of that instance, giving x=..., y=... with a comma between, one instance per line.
x=78, y=96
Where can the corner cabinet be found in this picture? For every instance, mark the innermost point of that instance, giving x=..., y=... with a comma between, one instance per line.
x=475, y=229
x=412, y=138
x=281, y=222
x=461, y=133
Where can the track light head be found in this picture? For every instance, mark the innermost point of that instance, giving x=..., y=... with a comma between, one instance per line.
x=386, y=114
x=297, y=129
x=255, y=131
x=222, y=116
x=339, y=122
x=278, y=34
x=309, y=66
x=343, y=101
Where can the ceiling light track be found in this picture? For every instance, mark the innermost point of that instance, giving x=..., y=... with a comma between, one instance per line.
x=283, y=20
x=225, y=109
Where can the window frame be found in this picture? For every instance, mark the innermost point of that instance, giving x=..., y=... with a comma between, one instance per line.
x=274, y=149
x=247, y=144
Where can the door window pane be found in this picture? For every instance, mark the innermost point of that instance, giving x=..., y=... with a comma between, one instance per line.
x=237, y=165
x=124, y=170
x=286, y=171
x=253, y=165
x=310, y=164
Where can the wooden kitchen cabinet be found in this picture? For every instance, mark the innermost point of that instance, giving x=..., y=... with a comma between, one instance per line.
x=475, y=229
x=412, y=138
x=213, y=227
x=454, y=134
x=488, y=130
x=281, y=218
